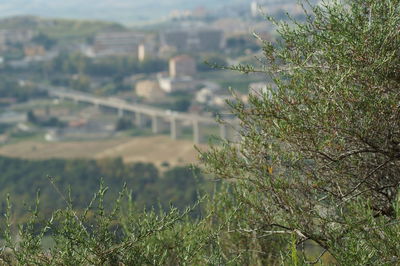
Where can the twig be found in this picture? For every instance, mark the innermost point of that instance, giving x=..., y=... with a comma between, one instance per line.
x=318, y=258
x=68, y=204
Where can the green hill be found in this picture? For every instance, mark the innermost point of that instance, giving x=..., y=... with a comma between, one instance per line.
x=149, y=187
x=60, y=29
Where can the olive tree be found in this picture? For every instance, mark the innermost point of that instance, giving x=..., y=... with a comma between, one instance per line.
x=318, y=155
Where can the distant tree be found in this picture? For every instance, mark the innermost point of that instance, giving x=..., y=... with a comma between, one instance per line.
x=51, y=122
x=44, y=40
x=153, y=66
x=80, y=83
x=185, y=179
x=123, y=124
x=181, y=105
x=241, y=43
x=31, y=117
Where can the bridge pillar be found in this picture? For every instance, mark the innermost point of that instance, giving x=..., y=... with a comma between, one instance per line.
x=175, y=128
x=120, y=112
x=139, y=120
x=223, y=131
x=156, y=124
x=197, y=136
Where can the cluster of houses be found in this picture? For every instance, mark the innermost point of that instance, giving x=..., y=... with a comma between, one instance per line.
x=31, y=50
x=182, y=78
x=173, y=44
x=152, y=45
x=180, y=46
x=193, y=33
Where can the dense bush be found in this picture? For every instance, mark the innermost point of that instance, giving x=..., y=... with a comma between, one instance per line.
x=318, y=155
x=148, y=187
x=10, y=88
x=121, y=236
x=123, y=124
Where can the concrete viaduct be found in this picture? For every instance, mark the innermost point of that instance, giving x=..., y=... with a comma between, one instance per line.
x=142, y=112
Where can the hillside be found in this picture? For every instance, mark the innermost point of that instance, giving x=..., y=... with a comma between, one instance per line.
x=117, y=10
x=61, y=29
x=151, y=188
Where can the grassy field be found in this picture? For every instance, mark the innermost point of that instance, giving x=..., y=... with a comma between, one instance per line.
x=155, y=149
x=226, y=78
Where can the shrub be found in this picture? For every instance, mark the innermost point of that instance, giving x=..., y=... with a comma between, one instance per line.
x=318, y=155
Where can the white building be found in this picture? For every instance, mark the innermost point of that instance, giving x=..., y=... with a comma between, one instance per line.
x=118, y=43
x=149, y=89
x=182, y=65
x=204, y=96
x=193, y=39
x=147, y=50
x=169, y=85
x=15, y=36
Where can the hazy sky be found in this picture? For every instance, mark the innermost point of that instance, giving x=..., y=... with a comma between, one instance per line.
x=117, y=10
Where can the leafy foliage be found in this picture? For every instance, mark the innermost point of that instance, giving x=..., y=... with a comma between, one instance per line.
x=44, y=40
x=318, y=153
x=149, y=189
x=9, y=88
x=315, y=166
x=122, y=236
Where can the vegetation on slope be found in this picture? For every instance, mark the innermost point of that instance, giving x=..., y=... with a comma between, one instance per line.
x=63, y=30
x=149, y=188
x=316, y=164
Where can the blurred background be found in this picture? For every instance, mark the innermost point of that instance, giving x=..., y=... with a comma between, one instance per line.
x=121, y=90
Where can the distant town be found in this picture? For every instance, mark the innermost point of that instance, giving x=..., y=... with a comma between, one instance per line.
x=178, y=66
